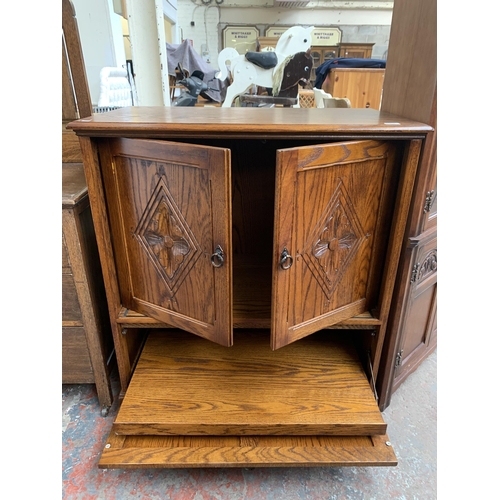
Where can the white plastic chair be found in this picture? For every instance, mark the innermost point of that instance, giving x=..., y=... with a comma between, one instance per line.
x=319, y=95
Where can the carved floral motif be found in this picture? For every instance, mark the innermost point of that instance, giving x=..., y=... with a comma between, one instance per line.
x=167, y=238
x=429, y=265
x=166, y=241
x=333, y=241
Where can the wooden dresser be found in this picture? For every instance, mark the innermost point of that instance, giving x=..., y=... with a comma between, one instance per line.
x=249, y=257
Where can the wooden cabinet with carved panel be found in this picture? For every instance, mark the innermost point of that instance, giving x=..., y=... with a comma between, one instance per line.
x=410, y=89
x=418, y=317
x=252, y=254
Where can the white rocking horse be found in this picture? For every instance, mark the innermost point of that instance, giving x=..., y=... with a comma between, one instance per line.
x=264, y=69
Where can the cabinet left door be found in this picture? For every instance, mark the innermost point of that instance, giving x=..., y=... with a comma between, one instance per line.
x=170, y=213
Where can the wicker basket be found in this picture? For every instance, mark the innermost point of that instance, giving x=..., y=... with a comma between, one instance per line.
x=306, y=99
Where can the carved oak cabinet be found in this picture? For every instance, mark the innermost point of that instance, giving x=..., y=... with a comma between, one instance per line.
x=410, y=89
x=249, y=257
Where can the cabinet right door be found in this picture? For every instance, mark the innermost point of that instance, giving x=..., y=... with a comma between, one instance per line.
x=333, y=209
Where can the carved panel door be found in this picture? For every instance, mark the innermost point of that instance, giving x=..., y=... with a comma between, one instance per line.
x=333, y=202
x=419, y=323
x=170, y=216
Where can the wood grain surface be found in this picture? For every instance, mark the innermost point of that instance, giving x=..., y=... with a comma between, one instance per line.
x=233, y=451
x=332, y=202
x=169, y=211
x=186, y=385
x=239, y=122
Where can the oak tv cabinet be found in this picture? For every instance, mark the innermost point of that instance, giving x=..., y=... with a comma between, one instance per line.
x=249, y=257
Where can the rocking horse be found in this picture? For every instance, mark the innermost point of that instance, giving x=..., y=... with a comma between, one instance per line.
x=297, y=71
x=265, y=69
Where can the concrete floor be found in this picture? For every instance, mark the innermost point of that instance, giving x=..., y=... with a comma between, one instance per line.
x=412, y=427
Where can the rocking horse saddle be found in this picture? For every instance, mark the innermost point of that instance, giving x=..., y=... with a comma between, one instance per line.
x=265, y=60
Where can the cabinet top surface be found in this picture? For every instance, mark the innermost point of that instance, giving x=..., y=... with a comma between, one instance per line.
x=214, y=121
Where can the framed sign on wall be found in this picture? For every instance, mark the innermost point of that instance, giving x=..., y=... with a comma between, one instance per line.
x=276, y=31
x=241, y=38
x=322, y=36
x=326, y=36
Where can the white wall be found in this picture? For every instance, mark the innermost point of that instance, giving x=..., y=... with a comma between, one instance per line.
x=205, y=30
x=101, y=37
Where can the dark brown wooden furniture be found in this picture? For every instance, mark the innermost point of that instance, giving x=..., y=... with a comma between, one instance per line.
x=87, y=343
x=253, y=253
x=356, y=50
x=410, y=90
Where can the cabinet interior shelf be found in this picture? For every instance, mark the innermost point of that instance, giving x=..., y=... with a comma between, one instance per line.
x=251, y=301
x=133, y=319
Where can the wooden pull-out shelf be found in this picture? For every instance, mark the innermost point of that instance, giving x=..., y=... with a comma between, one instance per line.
x=193, y=403
x=137, y=452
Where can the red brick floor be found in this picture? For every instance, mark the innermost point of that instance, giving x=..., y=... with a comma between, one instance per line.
x=411, y=419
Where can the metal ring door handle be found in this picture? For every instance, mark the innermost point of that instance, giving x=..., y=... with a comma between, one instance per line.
x=284, y=257
x=217, y=257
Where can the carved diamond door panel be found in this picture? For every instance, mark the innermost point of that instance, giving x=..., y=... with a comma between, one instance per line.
x=332, y=206
x=173, y=222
